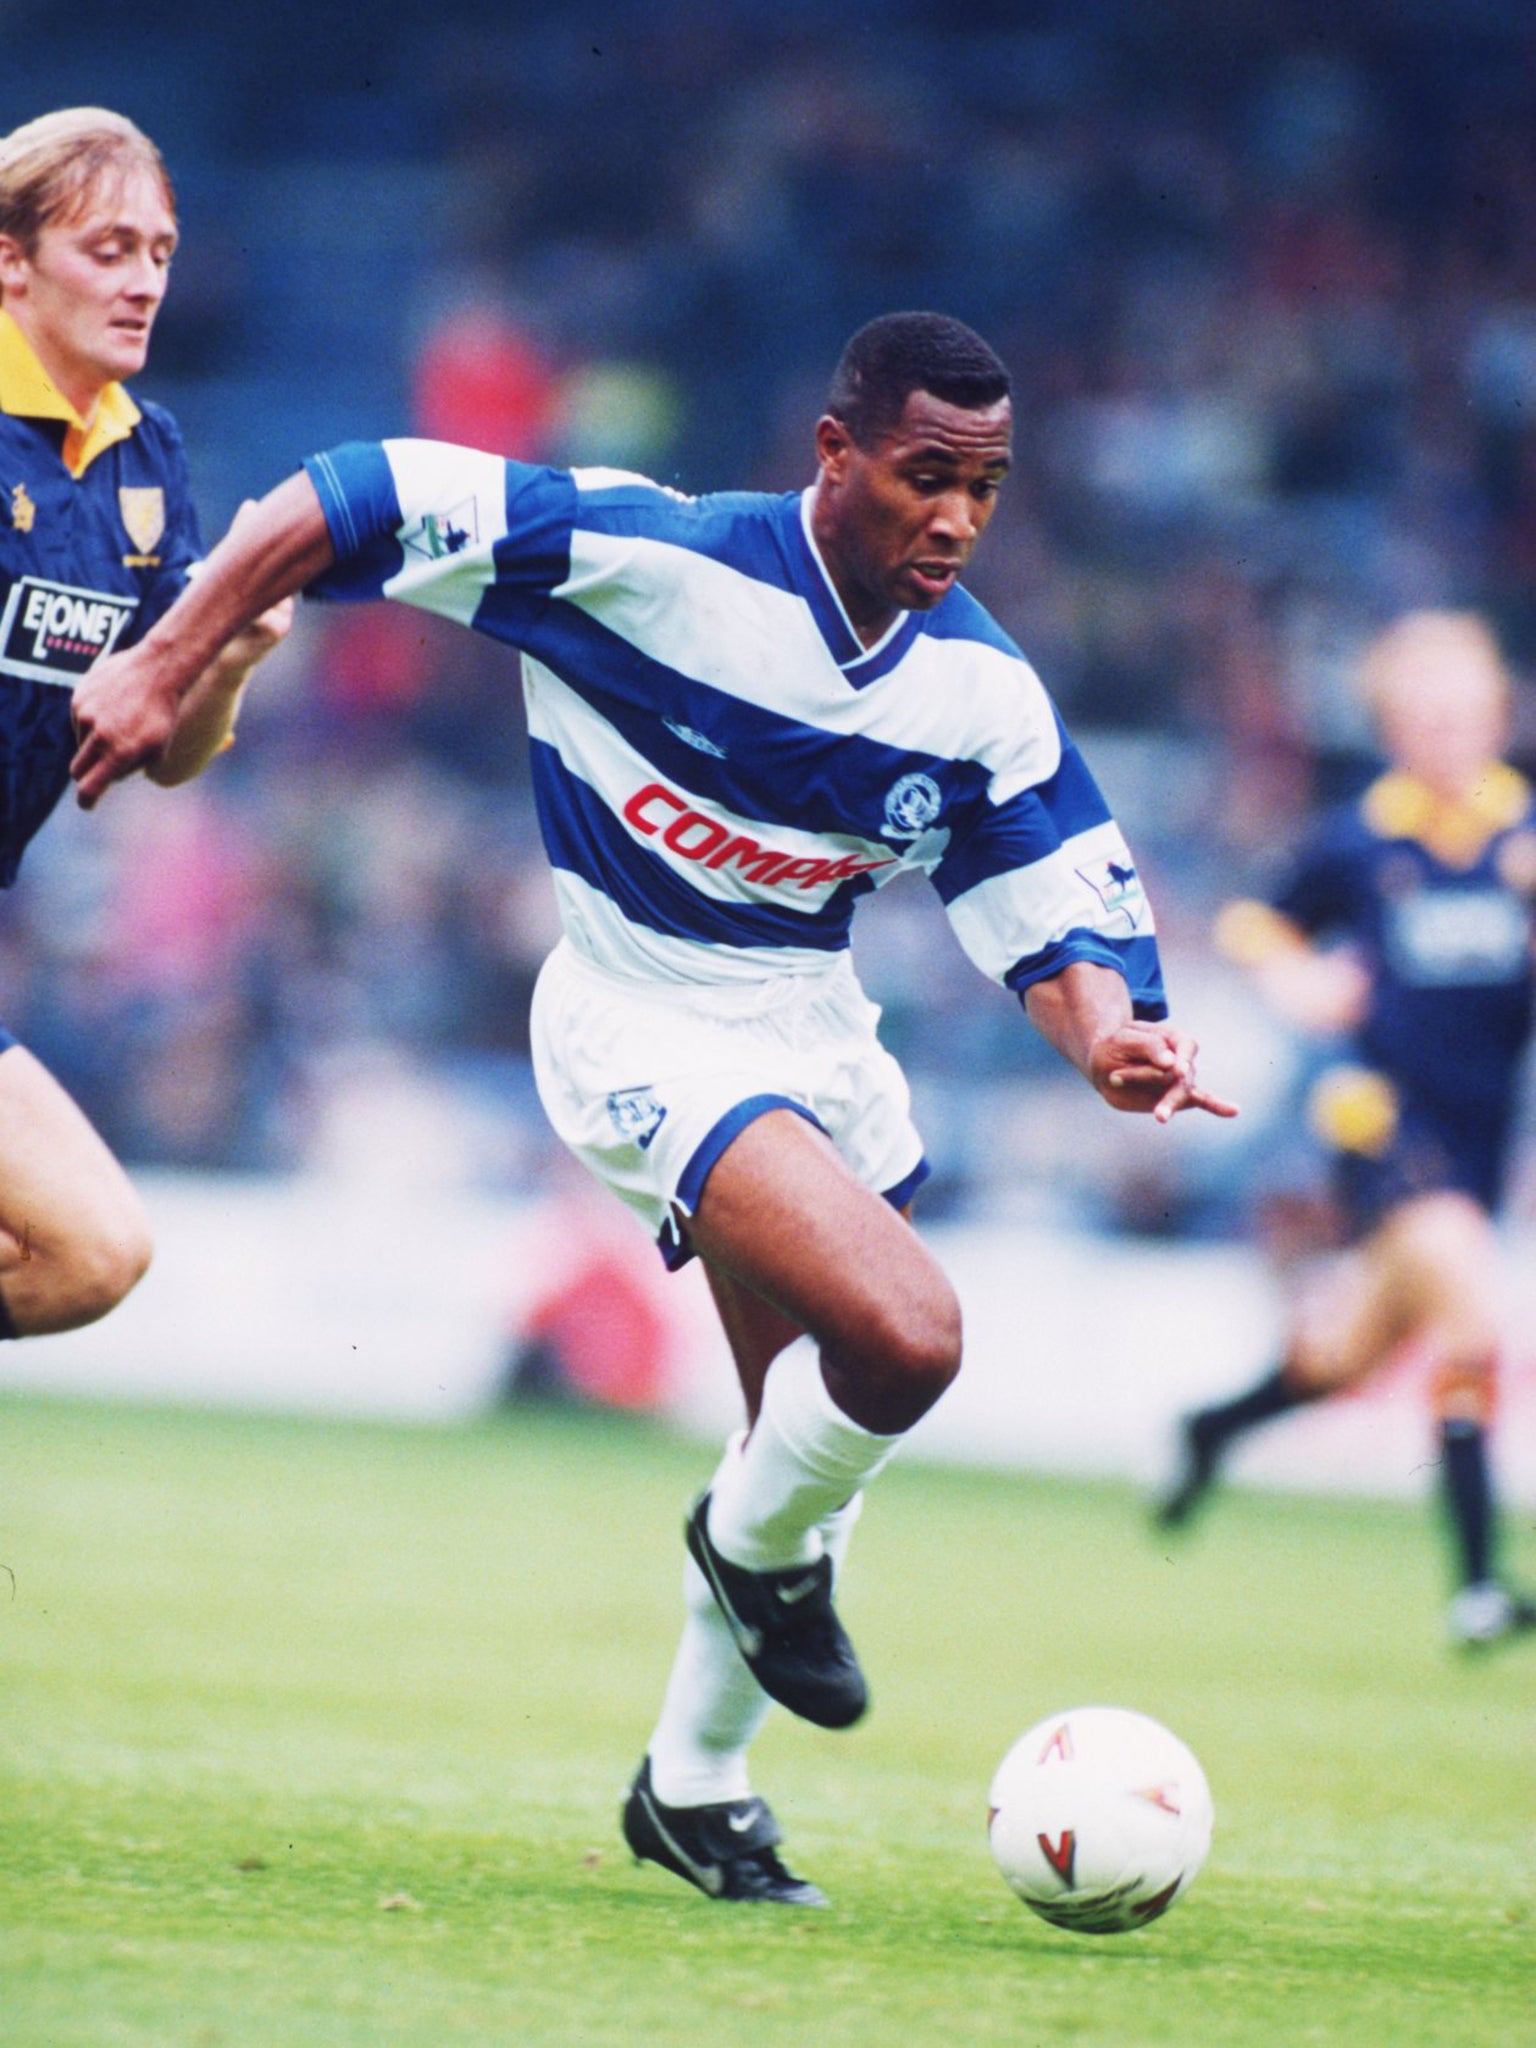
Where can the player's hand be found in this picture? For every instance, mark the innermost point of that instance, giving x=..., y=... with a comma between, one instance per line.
x=261, y=635
x=1149, y=1069
x=124, y=715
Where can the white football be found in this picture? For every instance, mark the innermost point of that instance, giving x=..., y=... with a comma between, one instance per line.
x=1099, y=1818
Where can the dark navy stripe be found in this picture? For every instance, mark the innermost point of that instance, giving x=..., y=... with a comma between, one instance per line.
x=765, y=538
x=1135, y=959
x=672, y=1241
x=707, y=1155
x=362, y=511
x=1025, y=829
x=534, y=554
x=743, y=529
x=882, y=659
x=961, y=617
x=860, y=667
x=905, y=1189
x=582, y=836
x=775, y=768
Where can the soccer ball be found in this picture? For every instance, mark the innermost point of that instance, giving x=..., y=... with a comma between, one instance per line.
x=1099, y=1818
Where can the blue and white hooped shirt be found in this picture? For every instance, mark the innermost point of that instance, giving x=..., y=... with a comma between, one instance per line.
x=721, y=768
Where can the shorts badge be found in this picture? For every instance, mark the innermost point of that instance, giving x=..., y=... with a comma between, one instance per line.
x=636, y=1114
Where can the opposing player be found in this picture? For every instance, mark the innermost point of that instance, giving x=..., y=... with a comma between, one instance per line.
x=1409, y=923
x=97, y=533
x=746, y=712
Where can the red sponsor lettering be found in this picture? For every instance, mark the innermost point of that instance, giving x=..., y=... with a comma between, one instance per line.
x=635, y=809
x=682, y=835
x=694, y=835
x=758, y=863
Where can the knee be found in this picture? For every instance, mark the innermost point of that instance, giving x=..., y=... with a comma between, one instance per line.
x=927, y=1353
x=909, y=1350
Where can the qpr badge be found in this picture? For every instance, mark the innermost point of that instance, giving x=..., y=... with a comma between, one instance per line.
x=911, y=805
x=636, y=1114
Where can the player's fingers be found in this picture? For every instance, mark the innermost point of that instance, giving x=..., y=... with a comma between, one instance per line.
x=95, y=768
x=1146, y=1074
x=1184, y=1094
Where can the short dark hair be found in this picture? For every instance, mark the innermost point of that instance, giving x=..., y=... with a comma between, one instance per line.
x=890, y=358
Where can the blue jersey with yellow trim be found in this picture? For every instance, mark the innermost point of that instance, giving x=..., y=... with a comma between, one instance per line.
x=721, y=768
x=88, y=562
x=1441, y=908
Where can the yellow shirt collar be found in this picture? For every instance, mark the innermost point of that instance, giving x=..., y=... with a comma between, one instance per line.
x=1400, y=806
x=27, y=391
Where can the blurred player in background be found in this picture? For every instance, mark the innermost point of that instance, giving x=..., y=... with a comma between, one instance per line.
x=97, y=533
x=1408, y=924
x=746, y=712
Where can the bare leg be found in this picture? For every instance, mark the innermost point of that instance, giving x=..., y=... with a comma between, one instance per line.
x=714, y=1706
x=73, y=1234
x=786, y=1220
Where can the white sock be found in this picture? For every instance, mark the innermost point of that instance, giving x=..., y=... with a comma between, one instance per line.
x=714, y=1707
x=837, y=1533
x=803, y=1460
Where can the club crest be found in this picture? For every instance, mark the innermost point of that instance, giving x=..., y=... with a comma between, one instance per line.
x=911, y=805
x=636, y=1114
x=143, y=510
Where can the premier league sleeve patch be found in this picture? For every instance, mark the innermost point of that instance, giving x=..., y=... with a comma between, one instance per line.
x=1118, y=887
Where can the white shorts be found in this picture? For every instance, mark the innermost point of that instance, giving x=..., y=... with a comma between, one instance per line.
x=648, y=1085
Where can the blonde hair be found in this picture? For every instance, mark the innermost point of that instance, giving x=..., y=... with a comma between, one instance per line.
x=1430, y=646
x=50, y=167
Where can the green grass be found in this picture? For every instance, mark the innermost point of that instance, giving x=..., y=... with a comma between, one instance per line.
x=313, y=1734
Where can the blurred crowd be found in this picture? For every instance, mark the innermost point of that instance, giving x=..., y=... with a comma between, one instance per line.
x=1267, y=282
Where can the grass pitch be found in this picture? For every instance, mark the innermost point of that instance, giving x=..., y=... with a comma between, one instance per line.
x=314, y=1734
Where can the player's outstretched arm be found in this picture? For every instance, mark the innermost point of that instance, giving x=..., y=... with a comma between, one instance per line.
x=1148, y=1069
x=205, y=722
x=126, y=709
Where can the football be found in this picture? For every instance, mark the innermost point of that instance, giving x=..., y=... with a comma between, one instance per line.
x=1099, y=1818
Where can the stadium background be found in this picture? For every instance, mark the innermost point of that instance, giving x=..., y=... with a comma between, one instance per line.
x=1267, y=282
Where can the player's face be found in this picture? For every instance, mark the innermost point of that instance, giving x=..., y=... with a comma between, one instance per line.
x=1444, y=723
x=87, y=296
x=897, y=522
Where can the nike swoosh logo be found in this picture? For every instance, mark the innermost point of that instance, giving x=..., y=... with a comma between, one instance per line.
x=802, y=1589
x=748, y=1639
x=738, y=1823
x=708, y=1876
